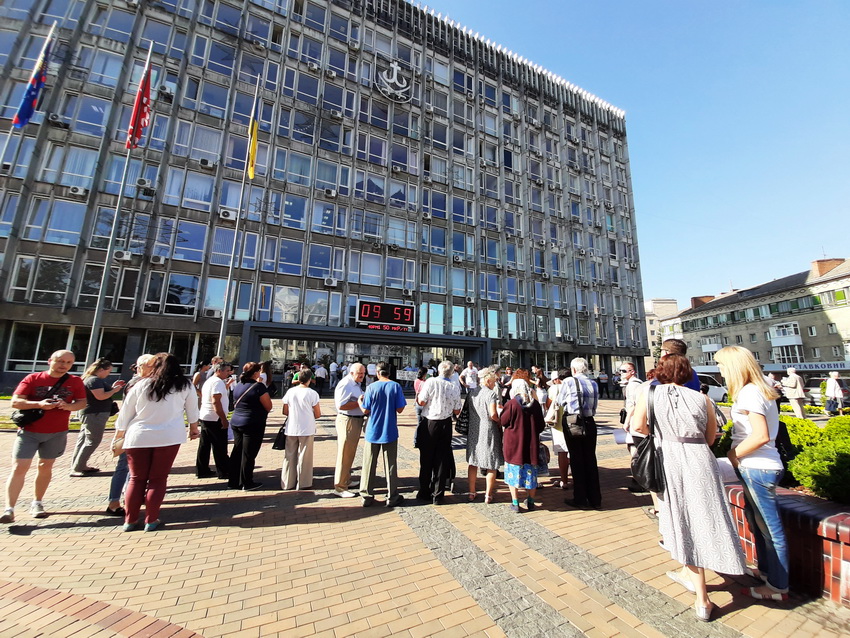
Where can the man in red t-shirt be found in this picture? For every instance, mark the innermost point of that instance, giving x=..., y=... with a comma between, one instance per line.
x=48, y=434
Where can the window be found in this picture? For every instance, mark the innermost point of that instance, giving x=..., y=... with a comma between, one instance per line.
x=816, y=353
x=278, y=303
x=739, y=339
x=753, y=337
x=180, y=240
x=365, y=268
x=788, y=354
x=188, y=189
x=57, y=222
x=284, y=256
x=40, y=281
x=831, y=328
x=86, y=114
x=325, y=261
x=812, y=331
x=223, y=247
x=69, y=165
x=8, y=205
x=836, y=351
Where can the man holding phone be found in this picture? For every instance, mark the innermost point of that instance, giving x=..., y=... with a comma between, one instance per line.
x=58, y=394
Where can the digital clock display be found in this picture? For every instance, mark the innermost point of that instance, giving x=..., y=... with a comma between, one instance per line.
x=386, y=316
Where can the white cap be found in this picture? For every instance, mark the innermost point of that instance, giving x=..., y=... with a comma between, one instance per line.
x=553, y=375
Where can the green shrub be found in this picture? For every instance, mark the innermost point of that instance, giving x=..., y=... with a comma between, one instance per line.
x=802, y=432
x=825, y=469
x=724, y=443
x=808, y=409
x=823, y=393
x=838, y=427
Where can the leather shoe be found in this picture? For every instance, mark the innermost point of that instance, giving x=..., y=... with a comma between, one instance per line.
x=394, y=501
x=118, y=511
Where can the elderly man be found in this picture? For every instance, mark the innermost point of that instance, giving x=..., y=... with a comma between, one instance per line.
x=469, y=377
x=630, y=384
x=383, y=402
x=795, y=391
x=579, y=395
x=215, y=405
x=349, y=426
x=58, y=394
x=440, y=397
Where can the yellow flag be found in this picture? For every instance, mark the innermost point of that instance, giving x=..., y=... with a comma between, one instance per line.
x=253, y=129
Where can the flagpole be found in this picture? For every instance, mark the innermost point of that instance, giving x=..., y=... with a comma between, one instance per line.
x=228, y=296
x=91, y=354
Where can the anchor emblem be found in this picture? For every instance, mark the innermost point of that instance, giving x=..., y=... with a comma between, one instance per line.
x=393, y=85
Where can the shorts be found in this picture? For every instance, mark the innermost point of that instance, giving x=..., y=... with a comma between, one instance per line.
x=559, y=442
x=49, y=445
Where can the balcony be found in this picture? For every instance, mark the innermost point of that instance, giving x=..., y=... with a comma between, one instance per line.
x=711, y=347
x=786, y=340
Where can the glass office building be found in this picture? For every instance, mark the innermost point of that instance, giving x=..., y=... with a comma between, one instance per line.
x=401, y=159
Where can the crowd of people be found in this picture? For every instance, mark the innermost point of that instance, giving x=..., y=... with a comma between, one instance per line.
x=501, y=412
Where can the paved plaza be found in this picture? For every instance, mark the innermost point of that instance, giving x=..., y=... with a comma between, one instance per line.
x=273, y=563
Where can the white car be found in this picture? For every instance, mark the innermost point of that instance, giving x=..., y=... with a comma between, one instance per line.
x=716, y=392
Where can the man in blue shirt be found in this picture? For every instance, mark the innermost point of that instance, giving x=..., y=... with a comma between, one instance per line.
x=677, y=346
x=383, y=402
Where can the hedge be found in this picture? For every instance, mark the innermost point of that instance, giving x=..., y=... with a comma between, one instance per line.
x=825, y=469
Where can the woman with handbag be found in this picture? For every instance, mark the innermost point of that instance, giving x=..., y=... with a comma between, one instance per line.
x=695, y=521
x=755, y=425
x=251, y=407
x=150, y=428
x=834, y=393
x=484, y=439
x=93, y=417
x=522, y=420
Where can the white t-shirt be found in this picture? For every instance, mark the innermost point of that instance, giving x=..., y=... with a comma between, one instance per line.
x=750, y=399
x=301, y=400
x=321, y=372
x=213, y=386
x=334, y=367
x=470, y=377
x=150, y=423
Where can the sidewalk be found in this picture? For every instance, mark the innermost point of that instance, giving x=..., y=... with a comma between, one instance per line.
x=273, y=563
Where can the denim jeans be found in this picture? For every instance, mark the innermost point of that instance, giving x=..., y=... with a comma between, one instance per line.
x=119, y=478
x=762, y=512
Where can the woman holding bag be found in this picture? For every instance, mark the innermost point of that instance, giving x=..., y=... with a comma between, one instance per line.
x=695, y=521
x=251, y=407
x=754, y=455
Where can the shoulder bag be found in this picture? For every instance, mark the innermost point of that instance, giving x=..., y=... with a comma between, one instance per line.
x=23, y=418
x=647, y=463
x=280, y=439
x=575, y=425
x=462, y=425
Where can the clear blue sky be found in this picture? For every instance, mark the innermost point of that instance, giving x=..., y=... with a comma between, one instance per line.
x=738, y=122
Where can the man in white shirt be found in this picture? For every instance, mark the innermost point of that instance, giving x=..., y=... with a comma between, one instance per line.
x=795, y=391
x=334, y=368
x=349, y=426
x=321, y=374
x=215, y=404
x=469, y=376
x=631, y=385
x=440, y=398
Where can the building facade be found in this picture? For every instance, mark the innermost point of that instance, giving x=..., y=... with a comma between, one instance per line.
x=656, y=310
x=401, y=159
x=800, y=321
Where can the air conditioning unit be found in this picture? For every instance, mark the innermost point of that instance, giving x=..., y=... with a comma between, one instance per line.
x=376, y=245
x=457, y=259
x=632, y=265
x=538, y=181
x=584, y=283
x=394, y=247
x=330, y=74
x=336, y=115
x=331, y=193
x=582, y=252
x=407, y=292
x=132, y=4
x=498, y=266
x=470, y=96
x=312, y=66
x=573, y=139
x=207, y=163
x=122, y=255
x=546, y=276
x=212, y=313
x=158, y=260
x=509, y=268
x=533, y=122
x=429, y=78
x=554, y=245
x=429, y=108
x=144, y=183
x=569, y=338
x=354, y=45
x=259, y=45
x=396, y=168
x=427, y=180
x=596, y=202
x=609, y=205
x=541, y=242
x=78, y=191
x=598, y=224
x=565, y=312
x=227, y=214
x=331, y=282
x=426, y=216
x=165, y=93
x=469, y=299
x=54, y=119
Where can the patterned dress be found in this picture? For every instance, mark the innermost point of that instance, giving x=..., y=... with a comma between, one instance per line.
x=694, y=518
x=484, y=440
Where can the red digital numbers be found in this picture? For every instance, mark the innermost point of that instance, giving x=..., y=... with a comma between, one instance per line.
x=386, y=313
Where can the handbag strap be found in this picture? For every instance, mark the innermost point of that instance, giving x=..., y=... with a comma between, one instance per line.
x=651, y=408
x=242, y=396
x=580, y=412
x=58, y=384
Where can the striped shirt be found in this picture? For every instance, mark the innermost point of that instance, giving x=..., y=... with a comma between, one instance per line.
x=568, y=397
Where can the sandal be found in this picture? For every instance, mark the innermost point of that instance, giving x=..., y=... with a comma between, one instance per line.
x=472, y=496
x=752, y=593
x=651, y=512
x=488, y=499
x=704, y=613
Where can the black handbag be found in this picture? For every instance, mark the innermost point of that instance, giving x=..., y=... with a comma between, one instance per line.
x=114, y=408
x=280, y=439
x=647, y=463
x=575, y=425
x=462, y=425
x=23, y=418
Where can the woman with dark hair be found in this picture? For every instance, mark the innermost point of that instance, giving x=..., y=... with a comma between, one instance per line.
x=201, y=375
x=252, y=406
x=93, y=417
x=267, y=377
x=694, y=518
x=150, y=427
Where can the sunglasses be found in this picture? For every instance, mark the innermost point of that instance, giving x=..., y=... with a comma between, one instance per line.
x=625, y=370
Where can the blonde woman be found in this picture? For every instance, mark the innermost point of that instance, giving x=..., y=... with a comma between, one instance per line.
x=755, y=421
x=484, y=440
x=93, y=418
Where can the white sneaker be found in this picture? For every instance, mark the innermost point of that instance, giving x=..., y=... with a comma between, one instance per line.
x=37, y=510
x=8, y=516
x=344, y=494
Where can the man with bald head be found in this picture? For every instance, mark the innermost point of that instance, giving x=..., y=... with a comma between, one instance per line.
x=57, y=394
x=349, y=426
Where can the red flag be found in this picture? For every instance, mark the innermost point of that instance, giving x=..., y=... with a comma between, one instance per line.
x=141, y=116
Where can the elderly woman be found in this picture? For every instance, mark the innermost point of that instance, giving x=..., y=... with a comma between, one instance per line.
x=484, y=439
x=579, y=395
x=251, y=407
x=520, y=384
x=93, y=418
x=151, y=427
x=695, y=522
x=522, y=419
x=754, y=455
x=834, y=393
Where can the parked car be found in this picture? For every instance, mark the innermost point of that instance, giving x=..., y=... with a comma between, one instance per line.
x=716, y=392
x=812, y=389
